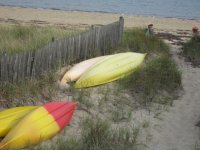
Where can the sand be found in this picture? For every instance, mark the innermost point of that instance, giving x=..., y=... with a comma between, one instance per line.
x=84, y=19
x=176, y=130
x=176, y=127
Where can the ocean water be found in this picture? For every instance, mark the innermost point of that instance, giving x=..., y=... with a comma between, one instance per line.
x=185, y=9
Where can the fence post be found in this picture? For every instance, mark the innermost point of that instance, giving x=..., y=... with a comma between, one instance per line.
x=121, y=28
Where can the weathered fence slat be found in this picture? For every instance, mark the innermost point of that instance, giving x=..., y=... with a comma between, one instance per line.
x=94, y=42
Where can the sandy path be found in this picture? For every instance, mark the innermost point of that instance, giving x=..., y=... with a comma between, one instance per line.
x=176, y=130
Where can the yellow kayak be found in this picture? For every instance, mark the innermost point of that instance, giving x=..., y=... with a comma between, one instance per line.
x=39, y=125
x=110, y=69
x=10, y=117
x=76, y=71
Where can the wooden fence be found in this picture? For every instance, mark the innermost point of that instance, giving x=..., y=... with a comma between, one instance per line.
x=68, y=50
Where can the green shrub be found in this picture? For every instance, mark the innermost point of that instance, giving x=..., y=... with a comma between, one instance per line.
x=191, y=50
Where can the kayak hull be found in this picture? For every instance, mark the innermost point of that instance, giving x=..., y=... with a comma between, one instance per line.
x=39, y=125
x=10, y=117
x=76, y=71
x=113, y=68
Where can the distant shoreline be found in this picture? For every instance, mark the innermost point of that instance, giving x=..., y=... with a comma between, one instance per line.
x=83, y=19
x=59, y=9
x=105, y=12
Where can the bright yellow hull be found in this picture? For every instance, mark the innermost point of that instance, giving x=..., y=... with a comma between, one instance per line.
x=10, y=117
x=110, y=69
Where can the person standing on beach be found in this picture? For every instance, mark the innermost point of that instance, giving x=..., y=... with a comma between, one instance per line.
x=195, y=31
x=149, y=30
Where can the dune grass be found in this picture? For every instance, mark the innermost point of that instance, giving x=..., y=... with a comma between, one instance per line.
x=191, y=50
x=18, y=38
x=98, y=134
x=28, y=91
x=158, y=76
x=135, y=40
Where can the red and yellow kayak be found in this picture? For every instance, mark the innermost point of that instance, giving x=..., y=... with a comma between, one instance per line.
x=10, y=117
x=39, y=125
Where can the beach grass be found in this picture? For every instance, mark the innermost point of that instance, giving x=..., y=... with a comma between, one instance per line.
x=28, y=91
x=98, y=134
x=135, y=40
x=19, y=38
x=191, y=50
x=158, y=75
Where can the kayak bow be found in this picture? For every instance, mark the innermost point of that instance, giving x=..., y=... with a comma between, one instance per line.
x=39, y=125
